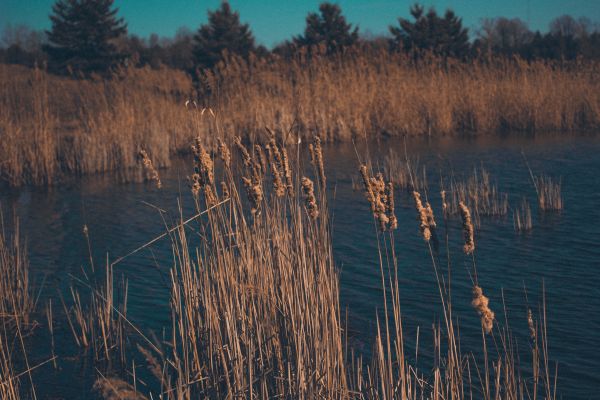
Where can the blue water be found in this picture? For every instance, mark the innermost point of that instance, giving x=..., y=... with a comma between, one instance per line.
x=558, y=258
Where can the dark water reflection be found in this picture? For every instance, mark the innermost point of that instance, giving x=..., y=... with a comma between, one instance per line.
x=561, y=253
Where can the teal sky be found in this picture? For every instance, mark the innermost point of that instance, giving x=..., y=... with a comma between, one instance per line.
x=273, y=21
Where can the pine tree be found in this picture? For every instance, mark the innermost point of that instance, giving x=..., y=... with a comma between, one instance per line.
x=82, y=35
x=329, y=28
x=223, y=32
x=444, y=37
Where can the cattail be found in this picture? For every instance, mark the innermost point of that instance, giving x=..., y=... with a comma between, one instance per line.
x=469, y=246
x=480, y=303
x=225, y=153
x=311, y=201
x=422, y=217
x=287, y=172
x=390, y=205
x=316, y=156
x=149, y=168
x=246, y=159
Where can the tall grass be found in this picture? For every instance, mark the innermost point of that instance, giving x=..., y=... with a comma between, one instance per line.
x=255, y=298
x=56, y=126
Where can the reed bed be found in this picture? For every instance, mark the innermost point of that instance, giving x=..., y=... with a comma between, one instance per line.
x=549, y=193
x=500, y=371
x=479, y=193
x=54, y=126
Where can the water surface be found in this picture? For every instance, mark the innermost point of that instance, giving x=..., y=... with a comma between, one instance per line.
x=560, y=254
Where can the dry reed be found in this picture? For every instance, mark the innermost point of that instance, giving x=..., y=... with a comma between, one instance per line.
x=549, y=193
x=54, y=126
x=522, y=221
x=481, y=304
x=151, y=172
x=468, y=230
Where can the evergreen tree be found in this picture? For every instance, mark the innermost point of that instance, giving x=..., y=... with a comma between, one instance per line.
x=329, y=27
x=443, y=36
x=223, y=32
x=82, y=35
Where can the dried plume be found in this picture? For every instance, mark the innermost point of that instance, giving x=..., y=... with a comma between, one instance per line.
x=260, y=156
x=376, y=192
x=246, y=159
x=364, y=173
x=287, y=172
x=391, y=206
x=154, y=365
x=481, y=304
x=149, y=168
x=203, y=177
x=116, y=389
x=422, y=217
x=310, y=199
x=224, y=153
x=275, y=164
x=316, y=157
x=430, y=216
x=469, y=237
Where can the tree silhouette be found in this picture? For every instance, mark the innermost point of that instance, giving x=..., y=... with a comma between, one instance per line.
x=223, y=32
x=444, y=37
x=82, y=35
x=329, y=28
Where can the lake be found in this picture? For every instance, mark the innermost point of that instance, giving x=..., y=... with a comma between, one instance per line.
x=558, y=258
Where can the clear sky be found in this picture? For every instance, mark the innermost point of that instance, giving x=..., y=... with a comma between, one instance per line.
x=273, y=21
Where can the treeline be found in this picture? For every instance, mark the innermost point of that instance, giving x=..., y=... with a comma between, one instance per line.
x=88, y=36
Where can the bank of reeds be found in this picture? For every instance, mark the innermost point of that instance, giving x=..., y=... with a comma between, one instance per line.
x=479, y=193
x=549, y=192
x=53, y=125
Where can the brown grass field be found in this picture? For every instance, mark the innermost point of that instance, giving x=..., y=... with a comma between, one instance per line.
x=53, y=127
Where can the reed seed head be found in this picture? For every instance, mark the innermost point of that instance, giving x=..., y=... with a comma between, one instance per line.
x=149, y=168
x=246, y=159
x=422, y=217
x=481, y=304
x=390, y=206
x=469, y=246
x=225, y=153
x=310, y=199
